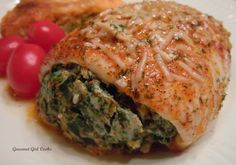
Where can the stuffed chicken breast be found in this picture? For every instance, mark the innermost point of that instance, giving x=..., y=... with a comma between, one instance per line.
x=139, y=75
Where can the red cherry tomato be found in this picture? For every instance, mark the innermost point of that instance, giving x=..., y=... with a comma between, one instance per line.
x=45, y=33
x=23, y=70
x=7, y=46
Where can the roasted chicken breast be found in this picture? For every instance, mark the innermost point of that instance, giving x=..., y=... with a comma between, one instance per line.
x=138, y=75
x=67, y=13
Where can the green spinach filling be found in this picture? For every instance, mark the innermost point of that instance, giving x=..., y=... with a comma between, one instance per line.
x=95, y=114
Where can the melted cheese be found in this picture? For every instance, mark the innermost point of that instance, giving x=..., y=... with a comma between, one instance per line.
x=190, y=71
x=167, y=40
x=140, y=69
x=111, y=55
x=163, y=66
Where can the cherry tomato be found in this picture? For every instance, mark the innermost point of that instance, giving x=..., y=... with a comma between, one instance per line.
x=23, y=70
x=45, y=33
x=7, y=46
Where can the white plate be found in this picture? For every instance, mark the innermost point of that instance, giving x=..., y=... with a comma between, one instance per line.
x=216, y=147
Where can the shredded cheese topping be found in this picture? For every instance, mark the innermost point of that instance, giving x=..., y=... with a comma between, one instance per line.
x=127, y=27
x=163, y=66
x=140, y=69
x=191, y=71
